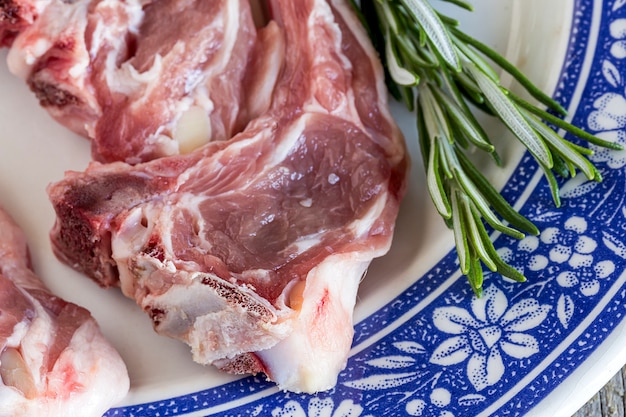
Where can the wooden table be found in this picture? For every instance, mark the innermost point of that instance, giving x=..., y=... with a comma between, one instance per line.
x=609, y=402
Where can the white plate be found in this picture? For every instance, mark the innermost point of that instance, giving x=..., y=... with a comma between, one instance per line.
x=423, y=345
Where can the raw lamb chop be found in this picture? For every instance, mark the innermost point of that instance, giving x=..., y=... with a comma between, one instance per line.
x=142, y=78
x=16, y=15
x=53, y=53
x=54, y=361
x=251, y=250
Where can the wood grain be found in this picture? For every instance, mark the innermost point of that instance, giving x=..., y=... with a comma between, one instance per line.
x=609, y=402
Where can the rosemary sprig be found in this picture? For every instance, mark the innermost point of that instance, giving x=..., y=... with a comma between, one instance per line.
x=438, y=71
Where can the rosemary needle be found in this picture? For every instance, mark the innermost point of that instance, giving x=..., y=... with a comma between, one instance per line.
x=438, y=71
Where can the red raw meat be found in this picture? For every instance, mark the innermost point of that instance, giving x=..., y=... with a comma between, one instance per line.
x=142, y=78
x=251, y=250
x=54, y=361
x=54, y=53
x=16, y=15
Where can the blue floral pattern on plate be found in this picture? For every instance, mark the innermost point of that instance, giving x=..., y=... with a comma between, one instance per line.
x=436, y=350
